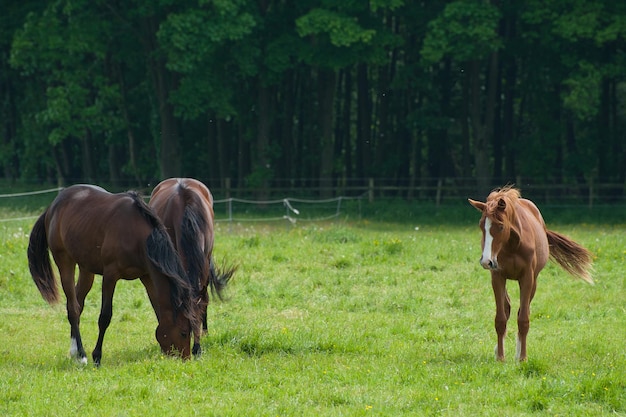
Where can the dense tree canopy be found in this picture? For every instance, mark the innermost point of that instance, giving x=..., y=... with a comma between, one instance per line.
x=314, y=92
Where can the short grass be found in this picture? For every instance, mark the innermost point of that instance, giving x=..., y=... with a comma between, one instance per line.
x=349, y=318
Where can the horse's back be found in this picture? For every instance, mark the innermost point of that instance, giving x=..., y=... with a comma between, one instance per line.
x=171, y=197
x=181, y=188
x=534, y=229
x=96, y=228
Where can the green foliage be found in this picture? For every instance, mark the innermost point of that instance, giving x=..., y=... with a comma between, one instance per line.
x=52, y=46
x=200, y=44
x=465, y=30
x=342, y=30
x=582, y=97
x=386, y=4
x=117, y=77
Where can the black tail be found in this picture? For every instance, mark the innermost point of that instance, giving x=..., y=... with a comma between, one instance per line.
x=39, y=261
x=219, y=278
x=194, y=225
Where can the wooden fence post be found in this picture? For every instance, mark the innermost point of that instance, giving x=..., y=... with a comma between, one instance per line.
x=227, y=186
x=439, y=186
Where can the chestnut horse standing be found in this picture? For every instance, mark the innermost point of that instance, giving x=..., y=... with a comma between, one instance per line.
x=119, y=237
x=185, y=206
x=516, y=245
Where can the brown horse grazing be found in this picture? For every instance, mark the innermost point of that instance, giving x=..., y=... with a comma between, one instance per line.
x=185, y=206
x=516, y=245
x=119, y=237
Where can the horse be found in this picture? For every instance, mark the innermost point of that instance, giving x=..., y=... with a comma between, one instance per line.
x=185, y=206
x=117, y=236
x=516, y=245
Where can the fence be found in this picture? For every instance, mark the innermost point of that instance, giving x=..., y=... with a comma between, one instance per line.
x=435, y=190
x=248, y=204
x=231, y=209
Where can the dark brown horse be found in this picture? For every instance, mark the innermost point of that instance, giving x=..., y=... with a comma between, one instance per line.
x=185, y=206
x=516, y=245
x=119, y=237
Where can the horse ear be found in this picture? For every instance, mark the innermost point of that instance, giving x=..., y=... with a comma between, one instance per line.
x=479, y=205
x=501, y=204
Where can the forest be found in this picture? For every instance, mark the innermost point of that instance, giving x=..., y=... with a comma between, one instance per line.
x=315, y=94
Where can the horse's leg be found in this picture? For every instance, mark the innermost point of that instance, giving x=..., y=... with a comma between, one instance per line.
x=83, y=286
x=66, y=271
x=527, y=291
x=204, y=302
x=152, y=295
x=106, y=312
x=197, y=348
x=503, y=311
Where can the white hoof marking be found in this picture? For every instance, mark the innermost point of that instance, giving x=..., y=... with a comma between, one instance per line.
x=73, y=348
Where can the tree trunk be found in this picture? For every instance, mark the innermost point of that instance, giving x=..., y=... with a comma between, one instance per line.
x=114, y=165
x=243, y=161
x=262, y=162
x=346, y=117
x=222, y=160
x=508, y=106
x=87, y=158
x=326, y=98
x=481, y=155
x=212, y=168
x=415, y=159
x=465, y=131
x=62, y=164
x=288, y=140
x=483, y=131
x=170, y=157
x=364, y=122
x=438, y=148
x=163, y=82
x=508, y=114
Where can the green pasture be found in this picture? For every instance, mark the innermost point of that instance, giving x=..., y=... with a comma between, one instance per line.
x=386, y=316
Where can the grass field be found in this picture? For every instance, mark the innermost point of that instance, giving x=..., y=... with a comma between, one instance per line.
x=351, y=318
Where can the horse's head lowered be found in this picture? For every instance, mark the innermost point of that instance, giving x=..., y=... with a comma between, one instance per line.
x=175, y=337
x=498, y=224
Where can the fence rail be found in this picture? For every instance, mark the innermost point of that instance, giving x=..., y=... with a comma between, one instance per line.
x=439, y=191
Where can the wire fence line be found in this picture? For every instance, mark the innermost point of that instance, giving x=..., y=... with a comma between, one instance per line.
x=26, y=194
x=17, y=219
x=50, y=190
x=291, y=214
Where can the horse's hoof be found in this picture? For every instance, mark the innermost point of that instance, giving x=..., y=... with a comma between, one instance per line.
x=96, y=360
x=499, y=358
x=80, y=360
x=196, y=350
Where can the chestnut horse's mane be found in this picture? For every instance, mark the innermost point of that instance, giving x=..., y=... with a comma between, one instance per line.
x=501, y=205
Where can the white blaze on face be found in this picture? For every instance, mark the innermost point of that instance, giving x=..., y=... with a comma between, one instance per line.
x=488, y=241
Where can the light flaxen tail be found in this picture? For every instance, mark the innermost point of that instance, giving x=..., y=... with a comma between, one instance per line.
x=572, y=257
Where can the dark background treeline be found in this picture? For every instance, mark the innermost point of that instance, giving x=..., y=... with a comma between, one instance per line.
x=315, y=94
